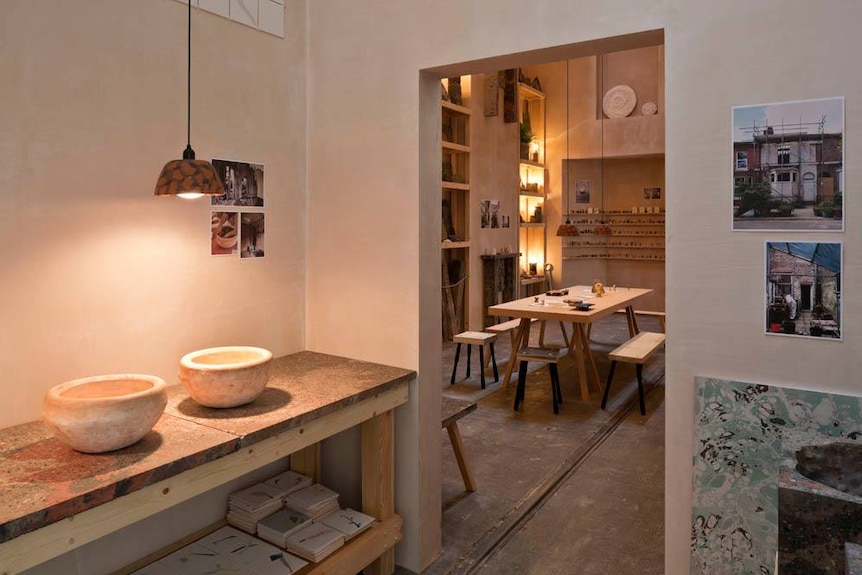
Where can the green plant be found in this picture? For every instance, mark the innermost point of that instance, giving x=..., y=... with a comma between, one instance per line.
x=756, y=197
x=785, y=209
x=526, y=133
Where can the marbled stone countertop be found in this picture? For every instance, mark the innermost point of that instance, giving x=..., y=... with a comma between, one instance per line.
x=43, y=481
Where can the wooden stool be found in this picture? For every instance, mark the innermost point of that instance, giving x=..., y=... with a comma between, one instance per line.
x=636, y=351
x=453, y=410
x=543, y=355
x=478, y=338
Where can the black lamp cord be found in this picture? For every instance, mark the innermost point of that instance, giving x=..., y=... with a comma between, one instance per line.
x=188, y=153
x=568, y=160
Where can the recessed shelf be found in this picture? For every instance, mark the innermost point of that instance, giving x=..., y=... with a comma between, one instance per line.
x=532, y=225
x=454, y=245
x=607, y=257
x=455, y=186
x=530, y=93
x=530, y=164
x=531, y=194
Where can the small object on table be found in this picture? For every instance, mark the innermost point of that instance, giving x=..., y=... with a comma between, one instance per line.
x=598, y=288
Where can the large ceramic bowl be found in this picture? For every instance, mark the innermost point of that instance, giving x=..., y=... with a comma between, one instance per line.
x=105, y=412
x=225, y=376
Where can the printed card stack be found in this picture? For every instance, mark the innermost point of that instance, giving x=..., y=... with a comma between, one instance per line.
x=289, y=481
x=347, y=521
x=315, y=541
x=247, y=507
x=226, y=551
x=280, y=525
x=314, y=501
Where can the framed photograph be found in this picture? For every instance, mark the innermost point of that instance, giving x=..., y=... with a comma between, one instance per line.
x=224, y=233
x=803, y=289
x=242, y=181
x=582, y=191
x=787, y=166
x=252, y=235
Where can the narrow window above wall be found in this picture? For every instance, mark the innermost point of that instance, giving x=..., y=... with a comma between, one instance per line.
x=263, y=15
x=783, y=154
x=741, y=160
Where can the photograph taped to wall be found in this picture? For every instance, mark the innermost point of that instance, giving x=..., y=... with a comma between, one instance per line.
x=252, y=235
x=775, y=480
x=224, y=233
x=788, y=166
x=803, y=289
x=485, y=213
x=495, y=213
x=582, y=191
x=243, y=183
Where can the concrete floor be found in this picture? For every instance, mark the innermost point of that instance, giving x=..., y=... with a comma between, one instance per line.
x=581, y=492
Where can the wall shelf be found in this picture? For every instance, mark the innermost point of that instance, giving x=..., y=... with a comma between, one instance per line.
x=454, y=245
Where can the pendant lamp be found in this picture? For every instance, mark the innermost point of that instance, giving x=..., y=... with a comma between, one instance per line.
x=567, y=229
x=189, y=178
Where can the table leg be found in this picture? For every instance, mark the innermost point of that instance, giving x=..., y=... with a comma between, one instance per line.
x=632, y=321
x=578, y=336
x=522, y=334
x=588, y=353
x=378, y=478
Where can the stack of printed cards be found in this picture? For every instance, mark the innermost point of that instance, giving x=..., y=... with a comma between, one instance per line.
x=289, y=481
x=247, y=507
x=314, y=501
x=277, y=527
x=226, y=551
x=349, y=522
x=314, y=541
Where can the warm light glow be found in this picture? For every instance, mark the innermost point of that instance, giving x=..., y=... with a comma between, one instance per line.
x=534, y=147
x=190, y=195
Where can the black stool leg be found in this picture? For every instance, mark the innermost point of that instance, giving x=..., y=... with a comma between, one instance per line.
x=640, y=369
x=555, y=383
x=494, y=363
x=559, y=390
x=482, y=364
x=522, y=383
x=469, y=349
x=455, y=367
x=608, y=384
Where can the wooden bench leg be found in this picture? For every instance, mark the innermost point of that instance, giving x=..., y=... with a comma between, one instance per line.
x=461, y=456
x=455, y=367
x=565, y=334
x=482, y=364
x=640, y=370
x=608, y=384
x=555, y=386
x=494, y=363
x=522, y=383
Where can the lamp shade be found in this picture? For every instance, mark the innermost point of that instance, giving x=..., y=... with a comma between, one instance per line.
x=568, y=229
x=189, y=178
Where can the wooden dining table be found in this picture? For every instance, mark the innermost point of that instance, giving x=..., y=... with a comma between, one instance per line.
x=554, y=308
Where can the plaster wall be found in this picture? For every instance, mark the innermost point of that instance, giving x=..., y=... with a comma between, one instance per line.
x=99, y=276
x=372, y=124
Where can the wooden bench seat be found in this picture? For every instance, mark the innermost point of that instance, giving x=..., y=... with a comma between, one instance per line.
x=636, y=350
x=453, y=410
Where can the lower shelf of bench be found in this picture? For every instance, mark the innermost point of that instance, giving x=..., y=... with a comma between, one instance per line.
x=356, y=554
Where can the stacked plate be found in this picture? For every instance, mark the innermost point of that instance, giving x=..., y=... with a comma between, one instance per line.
x=314, y=501
x=314, y=542
x=280, y=525
x=349, y=522
x=247, y=507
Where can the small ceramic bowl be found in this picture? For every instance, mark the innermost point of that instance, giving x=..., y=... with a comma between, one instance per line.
x=225, y=376
x=105, y=412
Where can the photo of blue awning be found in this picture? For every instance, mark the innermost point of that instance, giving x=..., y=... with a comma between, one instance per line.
x=822, y=254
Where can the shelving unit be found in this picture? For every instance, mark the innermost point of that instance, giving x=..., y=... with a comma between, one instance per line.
x=532, y=234
x=644, y=233
x=190, y=453
x=455, y=240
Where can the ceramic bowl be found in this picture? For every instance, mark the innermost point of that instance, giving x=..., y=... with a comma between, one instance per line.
x=225, y=376
x=105, y=412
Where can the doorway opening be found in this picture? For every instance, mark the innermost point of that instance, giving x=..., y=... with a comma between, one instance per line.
x=567, y=138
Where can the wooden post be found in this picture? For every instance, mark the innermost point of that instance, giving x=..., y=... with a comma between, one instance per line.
x=378, y=478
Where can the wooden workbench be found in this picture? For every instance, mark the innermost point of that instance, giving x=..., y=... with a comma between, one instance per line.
x=54, y=500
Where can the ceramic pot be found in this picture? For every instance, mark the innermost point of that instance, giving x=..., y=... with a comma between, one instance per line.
x=225, y=376
x=105, y=412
